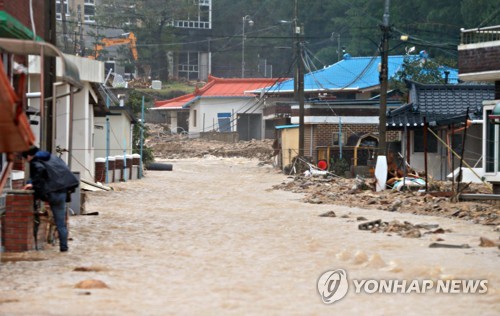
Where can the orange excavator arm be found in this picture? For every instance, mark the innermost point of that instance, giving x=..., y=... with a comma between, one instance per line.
x=107, y=42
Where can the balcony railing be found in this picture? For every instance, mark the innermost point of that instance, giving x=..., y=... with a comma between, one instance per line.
x=480, y=35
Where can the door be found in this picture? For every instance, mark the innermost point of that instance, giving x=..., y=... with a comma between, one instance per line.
x=249, y=126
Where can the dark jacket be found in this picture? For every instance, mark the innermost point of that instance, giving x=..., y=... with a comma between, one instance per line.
x=49, y=173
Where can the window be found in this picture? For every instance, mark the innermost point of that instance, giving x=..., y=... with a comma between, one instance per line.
x=89, y=11
x=490, y=145
x=61, y=6
x=418, y=142
x=336, y=136
x=194, y=118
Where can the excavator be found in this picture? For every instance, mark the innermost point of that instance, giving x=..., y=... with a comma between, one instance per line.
x=128, y=38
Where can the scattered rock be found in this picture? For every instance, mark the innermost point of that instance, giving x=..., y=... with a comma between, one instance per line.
x=361, y=218
x=413, y=233
x=427, y=226
x=343, y=191
x=485, y=242
x=395, y=205
x=328, y=214
x=437, y=231
x=87, y=269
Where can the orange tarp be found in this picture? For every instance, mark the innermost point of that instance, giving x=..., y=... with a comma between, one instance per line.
x=15, y=131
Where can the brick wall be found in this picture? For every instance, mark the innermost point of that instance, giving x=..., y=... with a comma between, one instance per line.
x=17, y=184
x=20, y=10
x=17, y=223
x=323, y=134
x=479, y=60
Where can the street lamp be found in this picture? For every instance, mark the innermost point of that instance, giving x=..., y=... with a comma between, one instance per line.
x=245, y=19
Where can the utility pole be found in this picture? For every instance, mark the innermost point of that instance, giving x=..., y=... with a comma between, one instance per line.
x=299, y=78
x=63, y=7
x=81, y=51
x=384, y=51
x=49, y=73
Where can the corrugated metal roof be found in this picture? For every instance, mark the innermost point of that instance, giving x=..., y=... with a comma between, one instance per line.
x=219, y=88
x=352, y=73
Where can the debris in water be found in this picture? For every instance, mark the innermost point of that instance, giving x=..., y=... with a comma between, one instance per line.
x=328, y=214
x=438, y=245
x=370, y=225
x=8, y=300
x=87, y=269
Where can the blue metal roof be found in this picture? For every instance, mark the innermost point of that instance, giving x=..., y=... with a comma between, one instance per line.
x=350, y=73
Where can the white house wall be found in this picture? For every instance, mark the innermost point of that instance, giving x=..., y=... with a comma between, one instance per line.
x=437, y=163
x=491, y=176
x=120, y=136
x=61, y=114
x=206, y=111
x=83, y=136
x=83, y=113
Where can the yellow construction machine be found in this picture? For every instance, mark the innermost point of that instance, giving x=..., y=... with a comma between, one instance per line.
x=127, y=38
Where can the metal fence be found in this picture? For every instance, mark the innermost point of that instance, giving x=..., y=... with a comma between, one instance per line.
x=480, y=35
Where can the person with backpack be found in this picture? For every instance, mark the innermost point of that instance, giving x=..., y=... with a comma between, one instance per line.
x=52, y=182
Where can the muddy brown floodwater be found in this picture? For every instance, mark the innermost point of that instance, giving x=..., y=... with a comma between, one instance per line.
x=211, y=238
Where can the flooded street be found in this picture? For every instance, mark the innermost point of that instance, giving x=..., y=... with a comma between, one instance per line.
x=211, y=237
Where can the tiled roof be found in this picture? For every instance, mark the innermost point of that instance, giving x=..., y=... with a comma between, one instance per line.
x=440, y=104
x=176, y=103
x=219, y=88
x=356, y=73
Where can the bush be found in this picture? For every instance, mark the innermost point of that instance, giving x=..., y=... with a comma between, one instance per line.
x=339, y=166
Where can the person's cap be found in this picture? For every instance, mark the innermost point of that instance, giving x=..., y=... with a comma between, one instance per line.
x=30, y=152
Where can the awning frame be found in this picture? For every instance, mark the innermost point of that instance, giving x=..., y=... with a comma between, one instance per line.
x=69, y=73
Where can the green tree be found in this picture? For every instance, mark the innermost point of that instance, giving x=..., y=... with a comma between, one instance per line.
x=152, y=23
x=420, y=70
x=135, y=103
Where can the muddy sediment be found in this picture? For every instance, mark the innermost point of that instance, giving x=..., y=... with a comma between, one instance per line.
x=213, y=237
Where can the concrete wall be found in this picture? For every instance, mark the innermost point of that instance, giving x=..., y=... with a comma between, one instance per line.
x=206, y=111
x=120, y=136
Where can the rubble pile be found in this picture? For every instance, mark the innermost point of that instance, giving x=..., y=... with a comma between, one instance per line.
x=359, y=193
x=178, y=146
x=331, y=189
